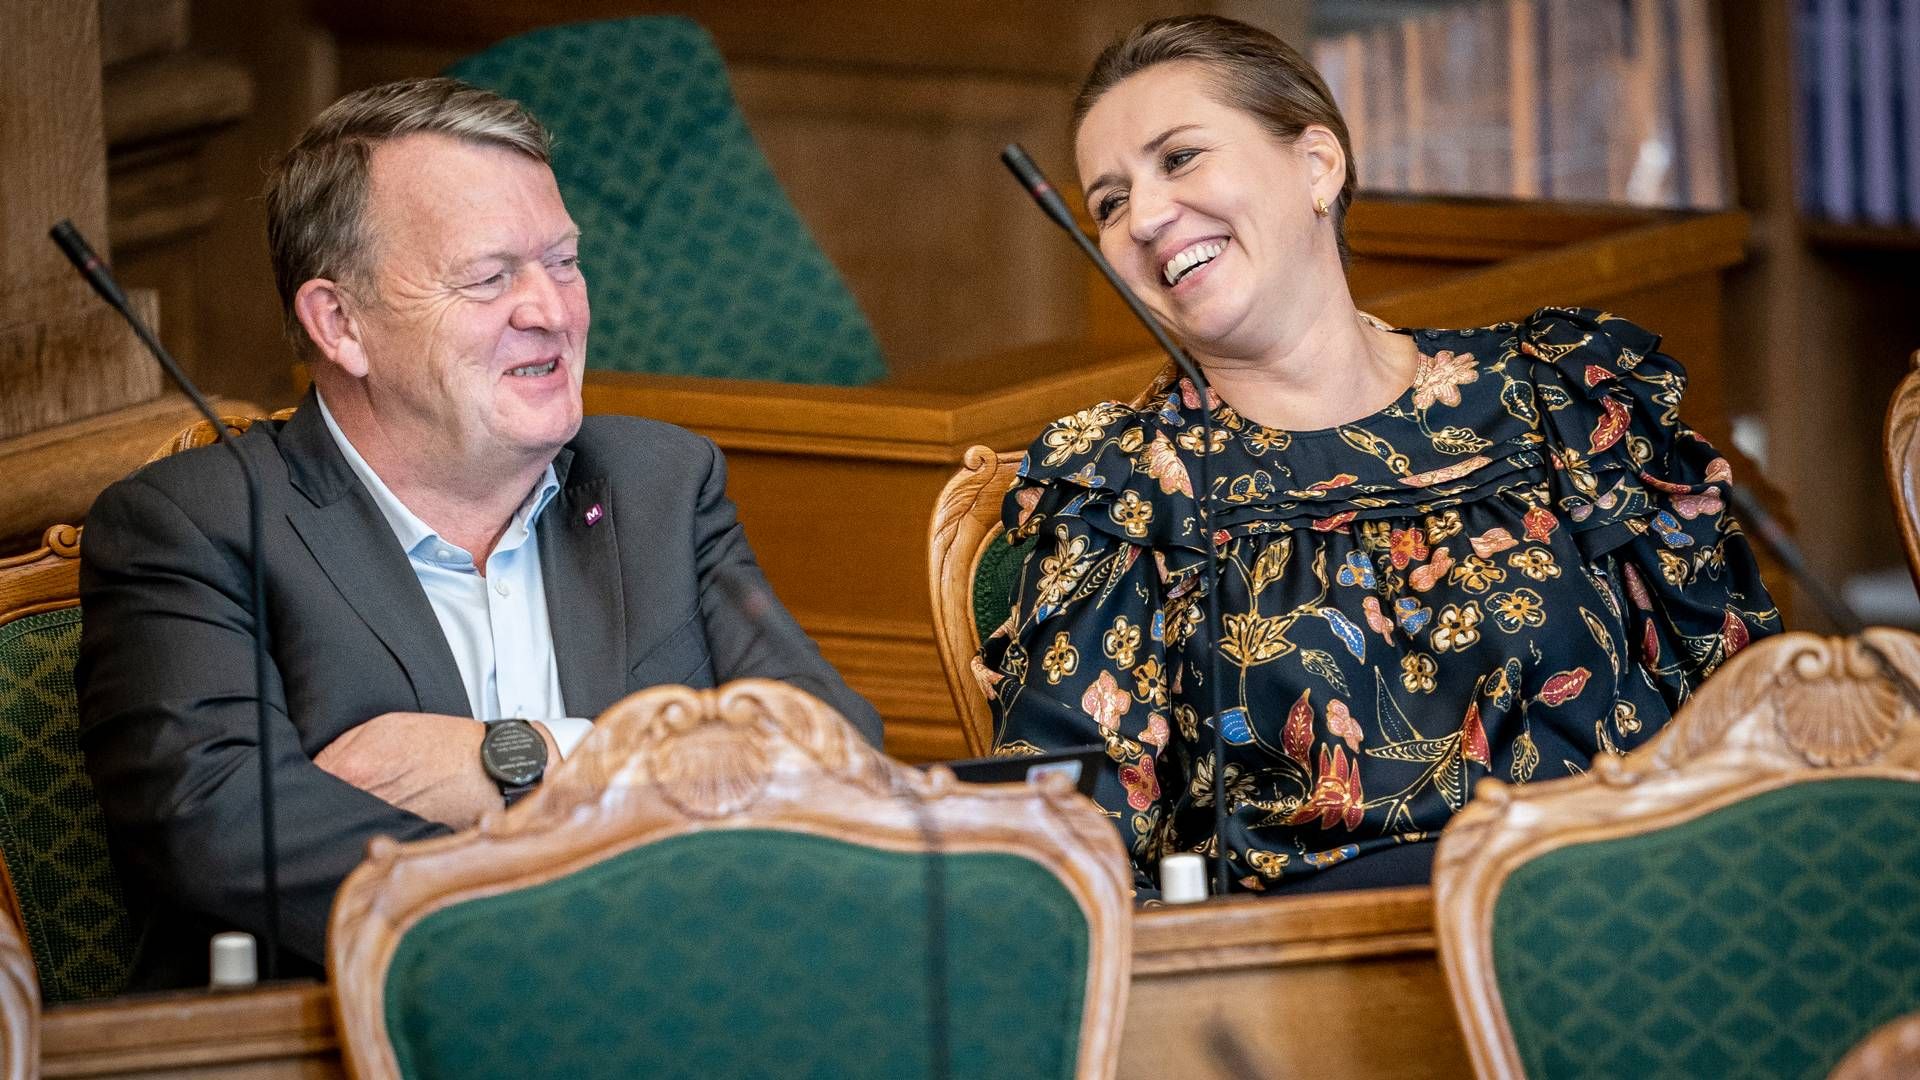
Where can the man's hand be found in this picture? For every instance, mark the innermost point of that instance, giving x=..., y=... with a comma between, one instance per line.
x=426, y=763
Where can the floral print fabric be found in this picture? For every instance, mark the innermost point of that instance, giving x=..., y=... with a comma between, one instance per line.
x=1523, y=562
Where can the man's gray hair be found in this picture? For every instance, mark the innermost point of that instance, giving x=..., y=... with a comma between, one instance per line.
x=317, y=193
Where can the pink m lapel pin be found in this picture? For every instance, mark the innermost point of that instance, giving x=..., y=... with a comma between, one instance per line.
x=594, y=514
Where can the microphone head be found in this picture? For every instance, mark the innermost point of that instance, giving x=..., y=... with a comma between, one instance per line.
x=1024, y=170
x=91, y=266
x=72, y=244
x=1031, y=178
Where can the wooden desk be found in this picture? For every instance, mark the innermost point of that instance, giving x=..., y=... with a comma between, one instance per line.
x=278, y=1032
x=1337, y=986
x=1309, y=985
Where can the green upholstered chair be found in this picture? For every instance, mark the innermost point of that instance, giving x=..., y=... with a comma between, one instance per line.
x=971, y=574
x=972, y=570
x=61, y=884
x=698, y=262
x=1739, y=897
x=732, y=883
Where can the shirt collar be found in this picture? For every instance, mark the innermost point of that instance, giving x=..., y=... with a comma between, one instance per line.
x=406, y=525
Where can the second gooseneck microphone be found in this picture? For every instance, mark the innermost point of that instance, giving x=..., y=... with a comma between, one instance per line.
x=1055, y=207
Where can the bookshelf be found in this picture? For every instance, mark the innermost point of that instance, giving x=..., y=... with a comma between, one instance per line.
x=1823, y=311
x=1570, y=100
x=1840, y=237
x=1856, y=77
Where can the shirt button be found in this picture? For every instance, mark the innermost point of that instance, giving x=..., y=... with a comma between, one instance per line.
x=446, y=553
x=502, y=588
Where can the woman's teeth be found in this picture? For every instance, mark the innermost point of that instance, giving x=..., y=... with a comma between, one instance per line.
x=535, y=369
x=1197, y=255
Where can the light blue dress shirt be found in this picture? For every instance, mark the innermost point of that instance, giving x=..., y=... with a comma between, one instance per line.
x=496, y=625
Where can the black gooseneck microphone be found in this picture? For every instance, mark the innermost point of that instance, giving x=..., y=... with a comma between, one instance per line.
x=1030, y=177
x=98, y=275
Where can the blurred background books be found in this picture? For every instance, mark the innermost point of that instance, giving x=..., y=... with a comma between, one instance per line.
x=1577, y=100
x=1857, y=64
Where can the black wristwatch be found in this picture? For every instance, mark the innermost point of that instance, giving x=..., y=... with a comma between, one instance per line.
x=515, y=755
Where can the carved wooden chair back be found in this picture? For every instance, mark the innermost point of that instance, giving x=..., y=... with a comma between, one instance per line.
x=19, y=1004
x=1740, y=896
x=1892, y=1052
x=731, y=882
x=200, y=433
x=1903, y=461
x=971, y=569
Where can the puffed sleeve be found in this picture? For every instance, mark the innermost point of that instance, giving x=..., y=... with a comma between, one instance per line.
x=1083, y=659
x=1645, y=494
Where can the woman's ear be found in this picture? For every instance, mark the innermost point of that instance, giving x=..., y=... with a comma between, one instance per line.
x=322, y=308
x=1326, y=162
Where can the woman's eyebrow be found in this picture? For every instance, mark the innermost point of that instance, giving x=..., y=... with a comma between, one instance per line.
x=1148, y=149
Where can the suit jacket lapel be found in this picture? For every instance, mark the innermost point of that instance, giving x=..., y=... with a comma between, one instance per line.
x=357, y=550
x=580, y=561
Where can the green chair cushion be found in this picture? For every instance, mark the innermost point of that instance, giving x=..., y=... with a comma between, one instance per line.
x=743, y=953
x=993, y=581
x=697, y=262
x=51, y=830
x=1763, y=939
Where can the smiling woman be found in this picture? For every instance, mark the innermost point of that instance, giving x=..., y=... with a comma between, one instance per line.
x=1440, y=554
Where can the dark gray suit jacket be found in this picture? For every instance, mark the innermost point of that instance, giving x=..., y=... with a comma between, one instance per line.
x=661, y=588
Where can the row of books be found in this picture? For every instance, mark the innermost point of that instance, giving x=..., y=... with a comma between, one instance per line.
x=1857, y=71
x=1580, y=100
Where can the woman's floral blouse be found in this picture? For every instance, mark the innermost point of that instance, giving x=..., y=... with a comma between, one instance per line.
x=1523, y=562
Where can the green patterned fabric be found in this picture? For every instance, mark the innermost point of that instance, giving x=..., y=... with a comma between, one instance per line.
x=1761, y=940
x=993, y=583
x=745, y=953
x=51, y=829
x=697, y=263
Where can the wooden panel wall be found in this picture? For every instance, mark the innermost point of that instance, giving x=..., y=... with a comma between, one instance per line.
x=883, y=121
x=63, y=355
x=103, y=118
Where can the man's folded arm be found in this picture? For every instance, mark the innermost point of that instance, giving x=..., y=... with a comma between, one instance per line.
x=168, y=724
x=749, y=633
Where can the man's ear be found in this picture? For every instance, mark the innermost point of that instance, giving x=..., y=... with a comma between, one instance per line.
x=1326, y=162
x=322, y=307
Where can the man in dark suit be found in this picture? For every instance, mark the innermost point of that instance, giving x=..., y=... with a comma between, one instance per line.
x=446, y=540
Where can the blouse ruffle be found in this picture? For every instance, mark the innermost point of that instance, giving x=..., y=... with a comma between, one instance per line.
x=1583, y=390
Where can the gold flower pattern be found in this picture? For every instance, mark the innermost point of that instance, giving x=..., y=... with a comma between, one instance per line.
x=1458, y=627
x=1536, y=563
x=1416, y=673
x=1121, y=642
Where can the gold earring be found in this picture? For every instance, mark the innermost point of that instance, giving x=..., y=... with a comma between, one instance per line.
x=1320, y=207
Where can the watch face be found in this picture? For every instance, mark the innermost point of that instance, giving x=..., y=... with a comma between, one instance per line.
x=513, y=753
